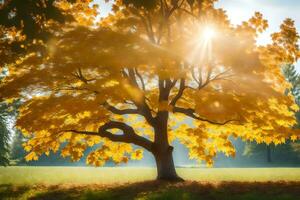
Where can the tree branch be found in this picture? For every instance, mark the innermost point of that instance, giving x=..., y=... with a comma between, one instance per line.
x=128, y=136
x=141, y=79
x=220, y=76
x=180, y=92
x=142, y=106
x=191, y=113
x=120, y=112
x=73, y=88
x=189, y=12
x=79, y=75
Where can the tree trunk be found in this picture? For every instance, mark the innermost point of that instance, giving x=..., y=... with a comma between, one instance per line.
x=162, y=150
x=269, y=157
x=165, y=164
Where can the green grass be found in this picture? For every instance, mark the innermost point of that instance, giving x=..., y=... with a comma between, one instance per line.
x=134, y=183
x=110, y=175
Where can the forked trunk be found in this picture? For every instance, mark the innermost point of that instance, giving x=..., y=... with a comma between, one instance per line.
x=165, y=165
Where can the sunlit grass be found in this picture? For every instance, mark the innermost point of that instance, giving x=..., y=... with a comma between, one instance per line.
x=110, y=175
x=133, y=183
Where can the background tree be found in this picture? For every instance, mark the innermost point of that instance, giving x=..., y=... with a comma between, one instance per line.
x=17, y=153
x=7, y=114
x=4, y=137
x=293, y=78
x=287, y=152
x=4, y=132
x=154, y=71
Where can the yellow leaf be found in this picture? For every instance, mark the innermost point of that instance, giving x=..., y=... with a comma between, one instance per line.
x=137, y=154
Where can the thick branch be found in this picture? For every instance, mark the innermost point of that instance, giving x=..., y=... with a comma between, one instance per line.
x=142, y=106
x=128, y=136
x=73, y=88
x=191, y=113
x=180, y=92
x=141, y=79
x=164, y=89
x=119, y=111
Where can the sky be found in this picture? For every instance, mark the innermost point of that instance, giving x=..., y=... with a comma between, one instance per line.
x=275, y=11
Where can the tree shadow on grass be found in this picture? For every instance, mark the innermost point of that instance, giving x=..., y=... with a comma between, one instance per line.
x=156, y=190
x=9, y=191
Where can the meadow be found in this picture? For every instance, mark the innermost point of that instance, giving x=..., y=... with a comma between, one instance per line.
x=137, y=183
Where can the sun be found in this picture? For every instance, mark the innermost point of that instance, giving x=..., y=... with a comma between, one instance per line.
x=202, y=43
x=208, y=33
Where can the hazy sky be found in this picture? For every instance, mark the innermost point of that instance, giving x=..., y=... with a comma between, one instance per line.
x=275, y=11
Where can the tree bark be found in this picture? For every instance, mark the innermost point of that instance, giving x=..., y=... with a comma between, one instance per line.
x=162, y=150
x=165, y=164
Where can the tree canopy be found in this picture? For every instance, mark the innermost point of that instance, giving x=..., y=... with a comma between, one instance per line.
x=152, y=72
x=28, y=25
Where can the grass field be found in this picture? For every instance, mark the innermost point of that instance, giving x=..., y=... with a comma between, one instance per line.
x=135, y=183
x=112, y=175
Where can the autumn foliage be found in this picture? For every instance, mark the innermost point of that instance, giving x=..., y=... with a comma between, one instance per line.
x=146, y=75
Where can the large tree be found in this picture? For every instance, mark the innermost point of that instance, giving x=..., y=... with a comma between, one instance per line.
x=156, y=71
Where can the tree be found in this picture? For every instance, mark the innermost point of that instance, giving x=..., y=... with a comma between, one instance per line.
x=7, y=112
x=152, y=72
x=4, y=138
x=17, y=153
x=293, y=78
x=4, y=132
x=283, y=154
x=288, y=150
